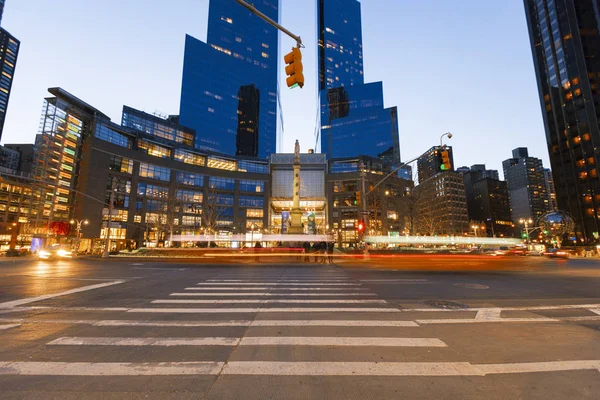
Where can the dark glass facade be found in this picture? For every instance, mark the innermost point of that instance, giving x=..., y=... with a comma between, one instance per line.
x=353, y=118
x=565, y=42
x=340, y=43
x=9, y=51
x=353, y=121
x=229, y=86
x=1, y=9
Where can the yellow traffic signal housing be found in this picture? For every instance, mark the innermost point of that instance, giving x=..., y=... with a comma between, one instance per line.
x=445, y=161
x=294, y=68
x=357, y=202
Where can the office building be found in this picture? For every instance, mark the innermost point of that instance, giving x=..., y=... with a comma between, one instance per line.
x=552, y=203
x=565, y=43
x=1, y=10
x=229, y=86
x=26, y=154
x=9, y=51
x=429, y=164
x=9, y=158
x=526, y=185
x=440, y=205
x=353, y=116
x=487, y=200
x=386, y=204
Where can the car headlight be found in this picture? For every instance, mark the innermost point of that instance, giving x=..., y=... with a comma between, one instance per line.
x=63, y=253
x=43, y=254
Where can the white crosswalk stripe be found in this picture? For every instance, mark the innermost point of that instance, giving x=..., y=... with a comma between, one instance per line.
x=258, y=315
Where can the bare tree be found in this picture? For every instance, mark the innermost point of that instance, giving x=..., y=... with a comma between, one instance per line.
x=213, y=210
x=428, y=222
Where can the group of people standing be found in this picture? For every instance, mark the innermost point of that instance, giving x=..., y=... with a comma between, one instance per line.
x=320, y=251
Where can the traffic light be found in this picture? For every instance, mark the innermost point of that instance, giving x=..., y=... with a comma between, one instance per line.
x=294, y=68
x=445, y=160
x=357, y=201
x=360, y=227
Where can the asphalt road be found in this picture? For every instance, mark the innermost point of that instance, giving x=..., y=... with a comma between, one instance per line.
x=378, y=329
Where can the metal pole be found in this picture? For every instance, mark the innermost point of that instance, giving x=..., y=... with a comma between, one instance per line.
x=364, y=197
x=270, y=21
x=110, y=210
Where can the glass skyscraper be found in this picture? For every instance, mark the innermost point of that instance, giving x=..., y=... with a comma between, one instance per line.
x=353, y=118
x=229, y=86
x=9, y=50
x=565, y=41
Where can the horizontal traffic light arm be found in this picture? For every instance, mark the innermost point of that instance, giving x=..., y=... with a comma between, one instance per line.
x=270, y=21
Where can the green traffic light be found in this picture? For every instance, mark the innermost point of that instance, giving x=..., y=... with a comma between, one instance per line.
x=443, y=167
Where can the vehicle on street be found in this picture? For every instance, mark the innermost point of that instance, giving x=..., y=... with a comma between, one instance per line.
x=55, y=252
x=556, y=253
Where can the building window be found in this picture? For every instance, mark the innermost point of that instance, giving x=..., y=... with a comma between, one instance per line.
x=254, y=213
x=155, y=172
x=149, y=190
x=188, y=178
x=120, y=164
x=221, y=183
x=250, y=166
x=189, y=196
x=154, y=149
x=221, y=163
x=251, y=201
x=252, y=186
x=105, y=133
x=189, y=158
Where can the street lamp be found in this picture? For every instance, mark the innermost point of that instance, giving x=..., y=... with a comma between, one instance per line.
x=78, y=223
x=475, y=227
x=252, y=233
x=526, y=223
x=442, y=138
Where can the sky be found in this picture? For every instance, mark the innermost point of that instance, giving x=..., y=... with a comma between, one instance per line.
x=449, y=66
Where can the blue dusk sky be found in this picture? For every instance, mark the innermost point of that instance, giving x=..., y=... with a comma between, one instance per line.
x=459, y=66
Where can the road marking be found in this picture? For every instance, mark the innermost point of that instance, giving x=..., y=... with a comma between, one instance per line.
x=475, y=321
x=576, y=319
x=284, y=301
x=148, y=341
x=340, y=341
x=230, y=323
x=273, y=368
x=5, y=327
x=51, y=308
x=162, y=269
x=489, y=314
x=350, y=368
x=553, y=366
x=276, y=284
x=262, y=282
x=596, y=311
x=109, y=369
x=259, y=310
x=329, y=289
x=14, y=303
x=349, y=323
x=394, y=280
x=270, y=294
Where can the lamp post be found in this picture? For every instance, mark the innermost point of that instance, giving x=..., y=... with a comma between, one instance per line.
x=526, y=223
x=475, y=227
x=252, y=234
x=442, y=138
x=110, y=211
x=78, y=223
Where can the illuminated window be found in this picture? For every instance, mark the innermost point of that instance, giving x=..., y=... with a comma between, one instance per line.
x=221, y=163
x=188, y=157
x=155, y=172
x=254, y=213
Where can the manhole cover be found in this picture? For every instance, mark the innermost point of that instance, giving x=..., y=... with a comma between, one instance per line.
x=445, y=304
x=471, y=286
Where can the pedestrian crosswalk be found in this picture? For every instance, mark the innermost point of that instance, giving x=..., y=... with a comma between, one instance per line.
x=258, y=313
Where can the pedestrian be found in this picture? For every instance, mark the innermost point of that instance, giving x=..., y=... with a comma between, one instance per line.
x=315, y=250
x=306, y=246
x=257, y=249
x=330, y=246
x=323, y=252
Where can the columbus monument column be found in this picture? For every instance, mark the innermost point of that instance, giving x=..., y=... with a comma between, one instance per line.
x=295, y=227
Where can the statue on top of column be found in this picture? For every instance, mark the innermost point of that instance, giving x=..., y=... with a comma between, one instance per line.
x=297, y=152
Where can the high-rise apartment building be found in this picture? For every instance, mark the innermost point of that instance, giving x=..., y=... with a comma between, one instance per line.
x=565, y=42
x=526, y=185
x=429, y=163
x=353, y=117
x=229, y=86
x=487, y=200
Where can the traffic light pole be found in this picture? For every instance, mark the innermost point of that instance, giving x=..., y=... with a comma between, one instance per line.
x=271, y=22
